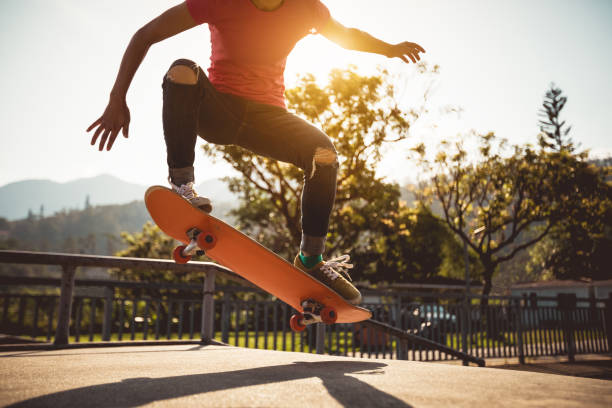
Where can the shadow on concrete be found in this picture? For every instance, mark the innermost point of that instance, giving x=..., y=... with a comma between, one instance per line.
x=346, y=389
x=595, y=369
x=17, y=340
x=59, y=352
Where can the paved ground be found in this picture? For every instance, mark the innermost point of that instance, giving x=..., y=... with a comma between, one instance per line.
x=598, y=366
x=588, y=366
x=219, y=376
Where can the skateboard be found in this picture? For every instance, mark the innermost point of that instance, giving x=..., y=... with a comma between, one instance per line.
x=201, y=233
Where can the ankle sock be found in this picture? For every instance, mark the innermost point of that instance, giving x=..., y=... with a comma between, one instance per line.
x=310, y=261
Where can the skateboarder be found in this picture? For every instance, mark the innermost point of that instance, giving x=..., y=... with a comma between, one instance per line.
x=241, y=102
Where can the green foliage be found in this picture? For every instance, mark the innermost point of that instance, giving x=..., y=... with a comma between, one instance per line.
x=151, y=242
x=415, y=245
x=94, y=230
x=5, y=241
x=361, y=115
x=495, y=203
x=580, y=245
x=554, y=136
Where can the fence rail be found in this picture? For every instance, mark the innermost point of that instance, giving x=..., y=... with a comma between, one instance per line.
x=416, y=325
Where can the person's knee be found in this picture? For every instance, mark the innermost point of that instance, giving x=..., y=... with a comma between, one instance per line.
x=324, y=161
x=325, y=156
x=182, y=74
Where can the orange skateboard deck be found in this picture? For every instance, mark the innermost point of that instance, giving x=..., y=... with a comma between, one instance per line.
x=179, y=219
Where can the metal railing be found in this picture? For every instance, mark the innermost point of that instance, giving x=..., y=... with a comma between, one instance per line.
x=406, y=325
x=69, y=263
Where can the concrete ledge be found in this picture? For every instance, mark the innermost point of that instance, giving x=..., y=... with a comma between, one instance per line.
x=220, y=376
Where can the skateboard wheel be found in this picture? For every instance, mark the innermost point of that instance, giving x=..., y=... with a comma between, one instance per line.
x=206, y=240
x=296, y=324
x=178, y=256
x=329, y=315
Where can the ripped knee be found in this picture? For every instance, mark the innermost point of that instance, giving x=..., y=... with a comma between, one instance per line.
x=182, y=74
x=324, y=156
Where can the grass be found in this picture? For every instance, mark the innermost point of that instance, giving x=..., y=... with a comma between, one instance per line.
x=343, y=343
x=530, y=337
x=284, y=341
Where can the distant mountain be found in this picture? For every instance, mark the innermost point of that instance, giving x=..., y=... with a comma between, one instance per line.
x=20, y=198
x=17, y=199
x=95, y=229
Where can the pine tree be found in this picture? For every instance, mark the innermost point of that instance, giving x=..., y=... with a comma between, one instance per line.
x=554, y=134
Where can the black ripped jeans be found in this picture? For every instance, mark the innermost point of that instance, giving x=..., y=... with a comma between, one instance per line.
x=200, y=110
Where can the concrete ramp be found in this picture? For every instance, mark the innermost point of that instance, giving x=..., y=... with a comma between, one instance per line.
x=222, y=376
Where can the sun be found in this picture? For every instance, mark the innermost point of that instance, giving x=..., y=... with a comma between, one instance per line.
x=316, y=55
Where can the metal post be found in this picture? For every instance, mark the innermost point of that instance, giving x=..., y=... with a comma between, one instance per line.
x=208, y=307
x=608, y=321
x=567, y=304
x=467, y=302
x=399, y=322
x=320, y=338
x=467, y=266
x=519, y=331
x=402, y=349
x=62, y=331
x=225, y=318
x=109, y=294
x=465, y=323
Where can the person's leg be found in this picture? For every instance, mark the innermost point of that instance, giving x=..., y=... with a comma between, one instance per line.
x=318, y=197
x=276, y=133
x=191, y=106
x=181, y=100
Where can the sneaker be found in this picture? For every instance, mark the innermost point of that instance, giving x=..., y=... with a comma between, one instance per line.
x=330, y=273
x=187, y=192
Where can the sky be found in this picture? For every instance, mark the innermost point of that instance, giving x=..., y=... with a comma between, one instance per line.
x=497, y=58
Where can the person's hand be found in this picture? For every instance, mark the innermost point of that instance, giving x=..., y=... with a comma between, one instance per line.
x=406, y=50
x=115, y=118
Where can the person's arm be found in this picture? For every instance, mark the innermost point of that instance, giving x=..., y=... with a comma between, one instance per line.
x=116, y=116
x=354, y=39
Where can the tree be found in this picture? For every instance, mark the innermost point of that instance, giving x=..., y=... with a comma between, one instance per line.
x=554, y=136
x=506, y=201
x=87, y=244
x=361, y=114
x=4, y=224
x=493, y=203
x=580, y=246
x=576, y=250
x=151, y=242
x=416, y=245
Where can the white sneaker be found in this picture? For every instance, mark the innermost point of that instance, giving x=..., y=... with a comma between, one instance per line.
x=187, y=192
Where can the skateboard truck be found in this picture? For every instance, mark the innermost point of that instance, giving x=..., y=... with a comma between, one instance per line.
x=200, y=242
x=312, y=312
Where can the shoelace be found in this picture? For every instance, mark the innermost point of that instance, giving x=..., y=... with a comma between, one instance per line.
x=186, y=190
x=336, y=266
